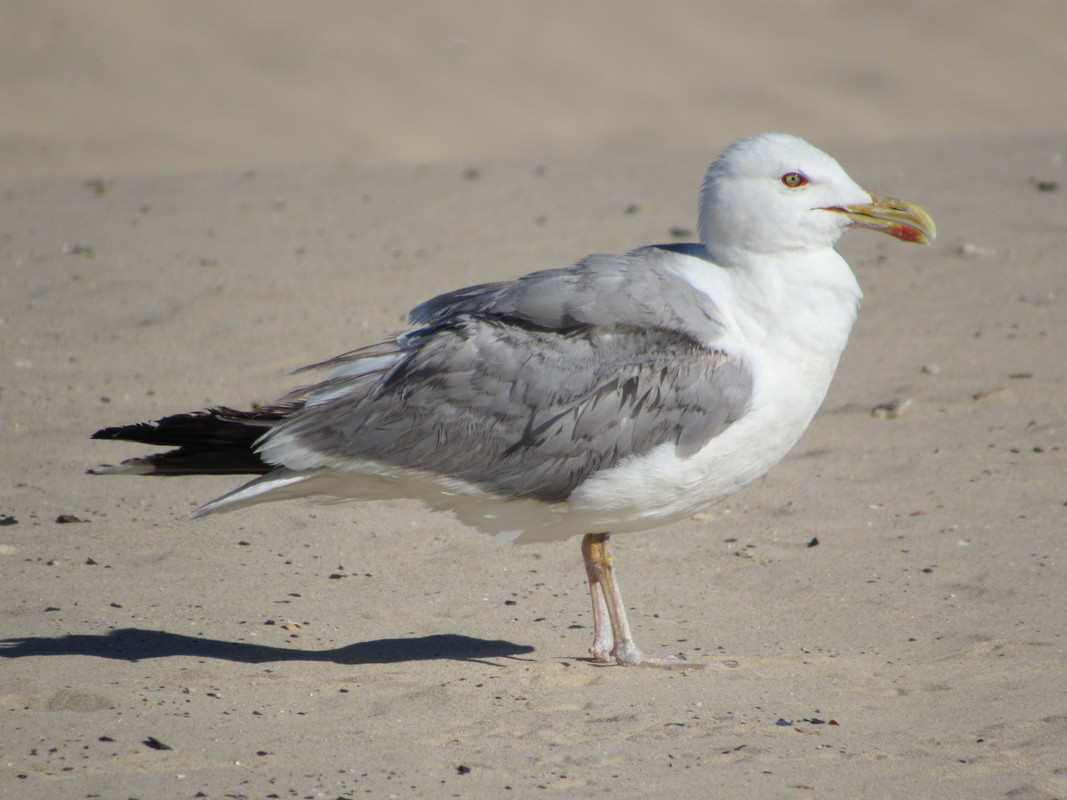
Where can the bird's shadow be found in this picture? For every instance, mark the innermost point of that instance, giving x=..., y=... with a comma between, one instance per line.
x=134, y=644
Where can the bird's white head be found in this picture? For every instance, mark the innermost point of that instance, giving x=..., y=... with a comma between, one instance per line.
x=775, y=193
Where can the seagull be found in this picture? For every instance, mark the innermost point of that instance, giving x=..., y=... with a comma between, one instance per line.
x=616, y=395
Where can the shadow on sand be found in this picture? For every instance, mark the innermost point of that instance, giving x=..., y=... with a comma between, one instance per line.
x=134, y=644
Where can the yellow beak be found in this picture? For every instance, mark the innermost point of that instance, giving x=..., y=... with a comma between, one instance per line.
x=899, y=218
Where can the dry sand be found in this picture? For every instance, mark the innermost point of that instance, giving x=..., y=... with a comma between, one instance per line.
x=377, y=650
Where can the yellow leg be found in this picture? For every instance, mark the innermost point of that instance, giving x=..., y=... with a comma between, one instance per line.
x=600, y=569
x=612, y=640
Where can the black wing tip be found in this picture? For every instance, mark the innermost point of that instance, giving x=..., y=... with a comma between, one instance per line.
x=179, y=429
x=216, y=441
x=121, y=431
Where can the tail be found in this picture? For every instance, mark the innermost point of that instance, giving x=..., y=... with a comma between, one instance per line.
x=219, y=441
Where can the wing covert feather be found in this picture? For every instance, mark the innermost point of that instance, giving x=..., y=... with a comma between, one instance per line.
x=528, y=412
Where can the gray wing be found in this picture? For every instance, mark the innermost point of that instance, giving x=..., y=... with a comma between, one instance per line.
x=530, y=387
x=601, y=290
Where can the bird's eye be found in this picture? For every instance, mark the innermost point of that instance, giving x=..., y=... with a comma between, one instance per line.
x=794, y=180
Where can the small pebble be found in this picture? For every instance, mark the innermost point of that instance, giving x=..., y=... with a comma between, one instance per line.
x=890, y=410
x=974, y=251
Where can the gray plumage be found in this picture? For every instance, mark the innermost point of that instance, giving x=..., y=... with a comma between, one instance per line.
x=526, y=388
x=634, y=290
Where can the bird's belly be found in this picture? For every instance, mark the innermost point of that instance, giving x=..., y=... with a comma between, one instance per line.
x=661, y=486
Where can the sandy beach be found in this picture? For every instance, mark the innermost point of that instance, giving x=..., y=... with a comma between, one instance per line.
x=197, y=199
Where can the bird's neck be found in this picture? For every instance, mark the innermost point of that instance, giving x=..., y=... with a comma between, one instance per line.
x=801, y=307
x=777, y=280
